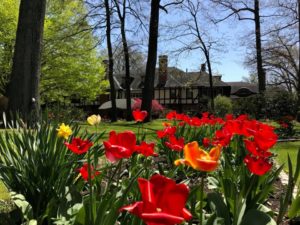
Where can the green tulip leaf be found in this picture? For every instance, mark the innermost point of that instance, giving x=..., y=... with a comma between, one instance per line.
x=256, y=217
x=295, y=208
x=217, y=204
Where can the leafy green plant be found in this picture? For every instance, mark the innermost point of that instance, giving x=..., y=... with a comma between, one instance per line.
x=36, y=164
x=223, y=105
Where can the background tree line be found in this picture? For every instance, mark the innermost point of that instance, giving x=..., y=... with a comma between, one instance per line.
x=74, y=32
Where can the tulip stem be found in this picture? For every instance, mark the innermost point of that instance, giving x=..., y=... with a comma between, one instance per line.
x=91, y=188
x=201, y=198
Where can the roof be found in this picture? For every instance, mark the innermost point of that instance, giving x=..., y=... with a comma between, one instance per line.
x=175, y=78
x=240, y=88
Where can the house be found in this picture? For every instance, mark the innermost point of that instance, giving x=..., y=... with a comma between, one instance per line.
x=174, y=88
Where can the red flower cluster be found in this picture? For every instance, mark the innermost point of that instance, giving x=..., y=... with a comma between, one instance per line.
x=163, y=202
x=85, y=172
x=123, y=145
x=174, y=143
x=259, y=138
x=139, y=116
x=167, y=131
x=206, y=119
x=79, y=146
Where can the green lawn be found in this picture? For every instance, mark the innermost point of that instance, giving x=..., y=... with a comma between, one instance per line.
x=150, y=128
x=285, y=148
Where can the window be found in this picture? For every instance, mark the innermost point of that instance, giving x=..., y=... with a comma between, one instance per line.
x=189, y=93
x=173, y=93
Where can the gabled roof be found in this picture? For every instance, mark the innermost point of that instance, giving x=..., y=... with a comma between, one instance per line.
x=237, y=87
x=175, y=78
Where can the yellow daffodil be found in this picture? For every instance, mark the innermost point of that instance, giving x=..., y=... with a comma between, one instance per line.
x=94, y=120
x=64, y=131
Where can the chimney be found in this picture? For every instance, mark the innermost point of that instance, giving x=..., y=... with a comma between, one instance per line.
x=105, y=63
x=162, y=70
x=203, y=67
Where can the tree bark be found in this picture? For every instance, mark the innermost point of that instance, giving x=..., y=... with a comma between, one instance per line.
x=22, y=90
x=148, y=90
x=126, y=57
x=298, y=74
x=260, y=71
x=211, y=86
x=113, y=113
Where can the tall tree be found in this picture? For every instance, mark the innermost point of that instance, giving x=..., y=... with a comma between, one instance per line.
x=239, y=8
x=113, y=114
x=23, y=92
x=122, y=17
x=148, y=90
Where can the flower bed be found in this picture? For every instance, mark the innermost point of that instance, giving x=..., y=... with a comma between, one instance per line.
x=204, y=170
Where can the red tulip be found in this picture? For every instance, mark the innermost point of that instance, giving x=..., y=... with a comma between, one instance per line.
x=139, y=116
x=205, y=142
x=222, y=137
x=85, y=173
x=171, y=115
x=163, y=202
x=174, y=143
x=252, y=147
x=120, y=145
x=166, y=132
x=257, y=165
x=79, y=146
x=146, y=149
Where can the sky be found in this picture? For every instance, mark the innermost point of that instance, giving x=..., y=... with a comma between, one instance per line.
x=229, y=63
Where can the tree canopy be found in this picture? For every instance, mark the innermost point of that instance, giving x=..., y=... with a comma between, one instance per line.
x=71, y=65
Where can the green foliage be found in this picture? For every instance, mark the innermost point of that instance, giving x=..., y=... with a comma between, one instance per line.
x=36, y=164
x=248, y=105
x=9, y=10
x=223, y=105
x=274, y=104
x=71, y=66
x=279, y=103
x=66, y=113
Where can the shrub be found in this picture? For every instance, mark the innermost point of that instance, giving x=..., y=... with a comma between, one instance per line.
x=279, y=103
x=248, y=105
x=223, y=105
x=63, y=113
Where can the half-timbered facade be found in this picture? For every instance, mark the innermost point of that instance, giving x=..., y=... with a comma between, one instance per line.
x=174, y=88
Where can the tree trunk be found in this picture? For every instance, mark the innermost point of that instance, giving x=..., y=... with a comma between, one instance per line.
x=23, y=90
x=113, y=113
x=260, y=71
x=126, y=57
x=298, y=74
x=148, y=90
x=211, y=86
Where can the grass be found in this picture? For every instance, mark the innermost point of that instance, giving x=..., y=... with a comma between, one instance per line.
x=282, y=149
x=150, y=128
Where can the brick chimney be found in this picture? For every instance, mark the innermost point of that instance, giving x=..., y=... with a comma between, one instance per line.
x=162, y=70
x=203, y=67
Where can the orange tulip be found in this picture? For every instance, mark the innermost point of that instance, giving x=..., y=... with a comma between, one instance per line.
x=200, y=159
